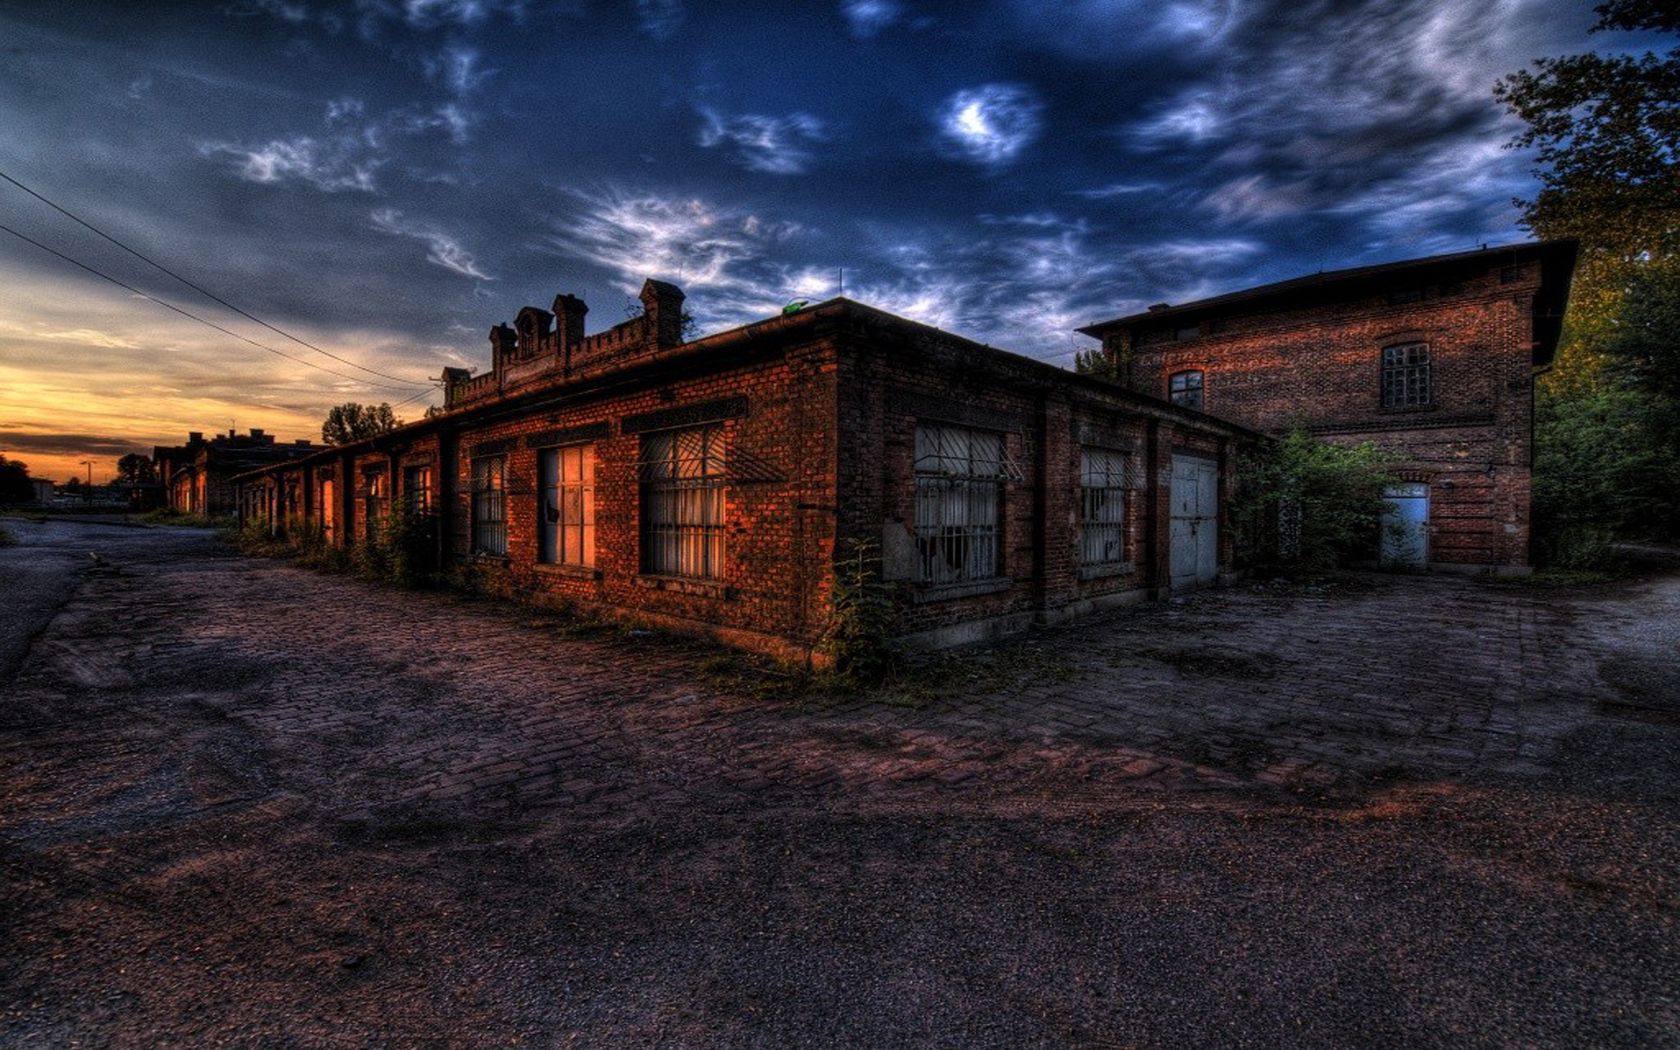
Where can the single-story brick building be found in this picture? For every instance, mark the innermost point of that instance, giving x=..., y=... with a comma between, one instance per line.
x=1433, y=359
x=197, y=477
x=711, y=484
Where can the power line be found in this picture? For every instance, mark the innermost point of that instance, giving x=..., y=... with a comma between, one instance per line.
x=188, y=313
x=67, y=213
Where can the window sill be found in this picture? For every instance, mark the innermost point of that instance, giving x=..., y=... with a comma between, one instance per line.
x=1113, y=568
x=685, y=585
x=939, y=592
x=495, y=559
x=576, y=572
x=1406, y=410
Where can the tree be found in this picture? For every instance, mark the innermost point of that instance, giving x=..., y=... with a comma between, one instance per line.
x=1096, y=363
x=1606, y=131
x=353, y=422
x=15, y=486
x=136, y=469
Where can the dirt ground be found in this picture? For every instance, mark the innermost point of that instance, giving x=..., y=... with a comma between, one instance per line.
x=241, y=803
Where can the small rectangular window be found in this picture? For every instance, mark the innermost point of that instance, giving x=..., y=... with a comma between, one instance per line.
x=373, y=506
x=959, y=483
x=1187, y=332
x=489, y=500
x=566, y=531
x=1405, y=376
x=417, y=489
x=1185, y=388
x=1102, y=502
x=683, y=485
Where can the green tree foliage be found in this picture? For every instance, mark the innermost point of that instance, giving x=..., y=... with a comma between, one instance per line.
x=1096, y=363
x=1606, y=132
x=353, y=422
x=136, y=469
x=1310, y=505
x=15, y=486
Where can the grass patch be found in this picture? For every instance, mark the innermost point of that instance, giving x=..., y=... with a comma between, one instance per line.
x=167, y=516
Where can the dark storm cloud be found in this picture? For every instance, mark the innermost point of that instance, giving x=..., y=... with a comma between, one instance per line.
x=416, y=170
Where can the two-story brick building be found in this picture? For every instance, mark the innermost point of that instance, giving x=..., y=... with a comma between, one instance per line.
x=1433, y=359
x=711, y=484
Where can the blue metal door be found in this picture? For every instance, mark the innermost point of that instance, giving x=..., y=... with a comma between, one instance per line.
x=1405, y=527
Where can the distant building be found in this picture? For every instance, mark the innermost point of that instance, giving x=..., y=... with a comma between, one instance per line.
x=1431, y=358
x=718, y=484
x=43, y=490
x=197, y=477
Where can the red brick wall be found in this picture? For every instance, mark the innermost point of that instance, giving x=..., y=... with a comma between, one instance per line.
x=779, y=529
x=891, y=382
x=1320, y=367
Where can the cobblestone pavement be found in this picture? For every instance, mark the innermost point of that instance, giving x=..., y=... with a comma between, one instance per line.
x=191, y=725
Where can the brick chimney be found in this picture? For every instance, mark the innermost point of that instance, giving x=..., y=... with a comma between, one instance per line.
x=504, y=342
x=568, y=321
x=662, y=305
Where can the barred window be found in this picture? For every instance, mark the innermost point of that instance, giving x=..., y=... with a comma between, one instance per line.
x=566, y=533
x=1405, y=376
x=417, y=489
x=1185, y=388
x=683, y=488
x=959, y=481
x=1102, y=501
x=489, y=500
x=373, y=505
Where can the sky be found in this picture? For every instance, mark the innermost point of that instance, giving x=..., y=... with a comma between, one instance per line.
x=387, y=179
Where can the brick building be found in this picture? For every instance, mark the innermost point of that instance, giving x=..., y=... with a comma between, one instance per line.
x=710, y=484
x=197, y=477
x=1431, y=358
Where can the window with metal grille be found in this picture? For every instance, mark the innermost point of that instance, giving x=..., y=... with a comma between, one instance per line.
x=1405, y=376
x=417, y=489
x=1102, y=501
x=959, y=483
x=683, y=486
x=566, y=531
x=1185, y=388
x=489, y=500
x=373, y=505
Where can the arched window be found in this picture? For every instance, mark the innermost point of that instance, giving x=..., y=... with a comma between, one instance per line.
x=1405, y=376
x=1185, y=388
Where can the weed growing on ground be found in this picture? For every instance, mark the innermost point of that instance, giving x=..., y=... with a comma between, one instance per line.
x=6, y=538
x=185, y=519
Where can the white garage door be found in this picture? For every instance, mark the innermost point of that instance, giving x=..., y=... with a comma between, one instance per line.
x=1195, y=521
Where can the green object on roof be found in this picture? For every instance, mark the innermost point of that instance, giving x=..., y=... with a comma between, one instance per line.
x=794, y=306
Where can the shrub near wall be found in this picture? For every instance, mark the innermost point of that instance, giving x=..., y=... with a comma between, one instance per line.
x=1310, y=505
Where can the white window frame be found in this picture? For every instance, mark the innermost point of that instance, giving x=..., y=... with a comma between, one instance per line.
x=959, y=474
x=566, y=510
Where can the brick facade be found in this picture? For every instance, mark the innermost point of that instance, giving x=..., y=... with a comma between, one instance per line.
x=197, y=477
x=815, y=416
x=1310, y=353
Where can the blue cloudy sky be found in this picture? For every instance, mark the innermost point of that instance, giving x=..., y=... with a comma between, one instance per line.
x=388, y=178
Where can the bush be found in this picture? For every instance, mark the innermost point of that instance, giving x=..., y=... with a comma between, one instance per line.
x=186, y=519
x=1309, y=505
x=859, y=636
x=1605, y=466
